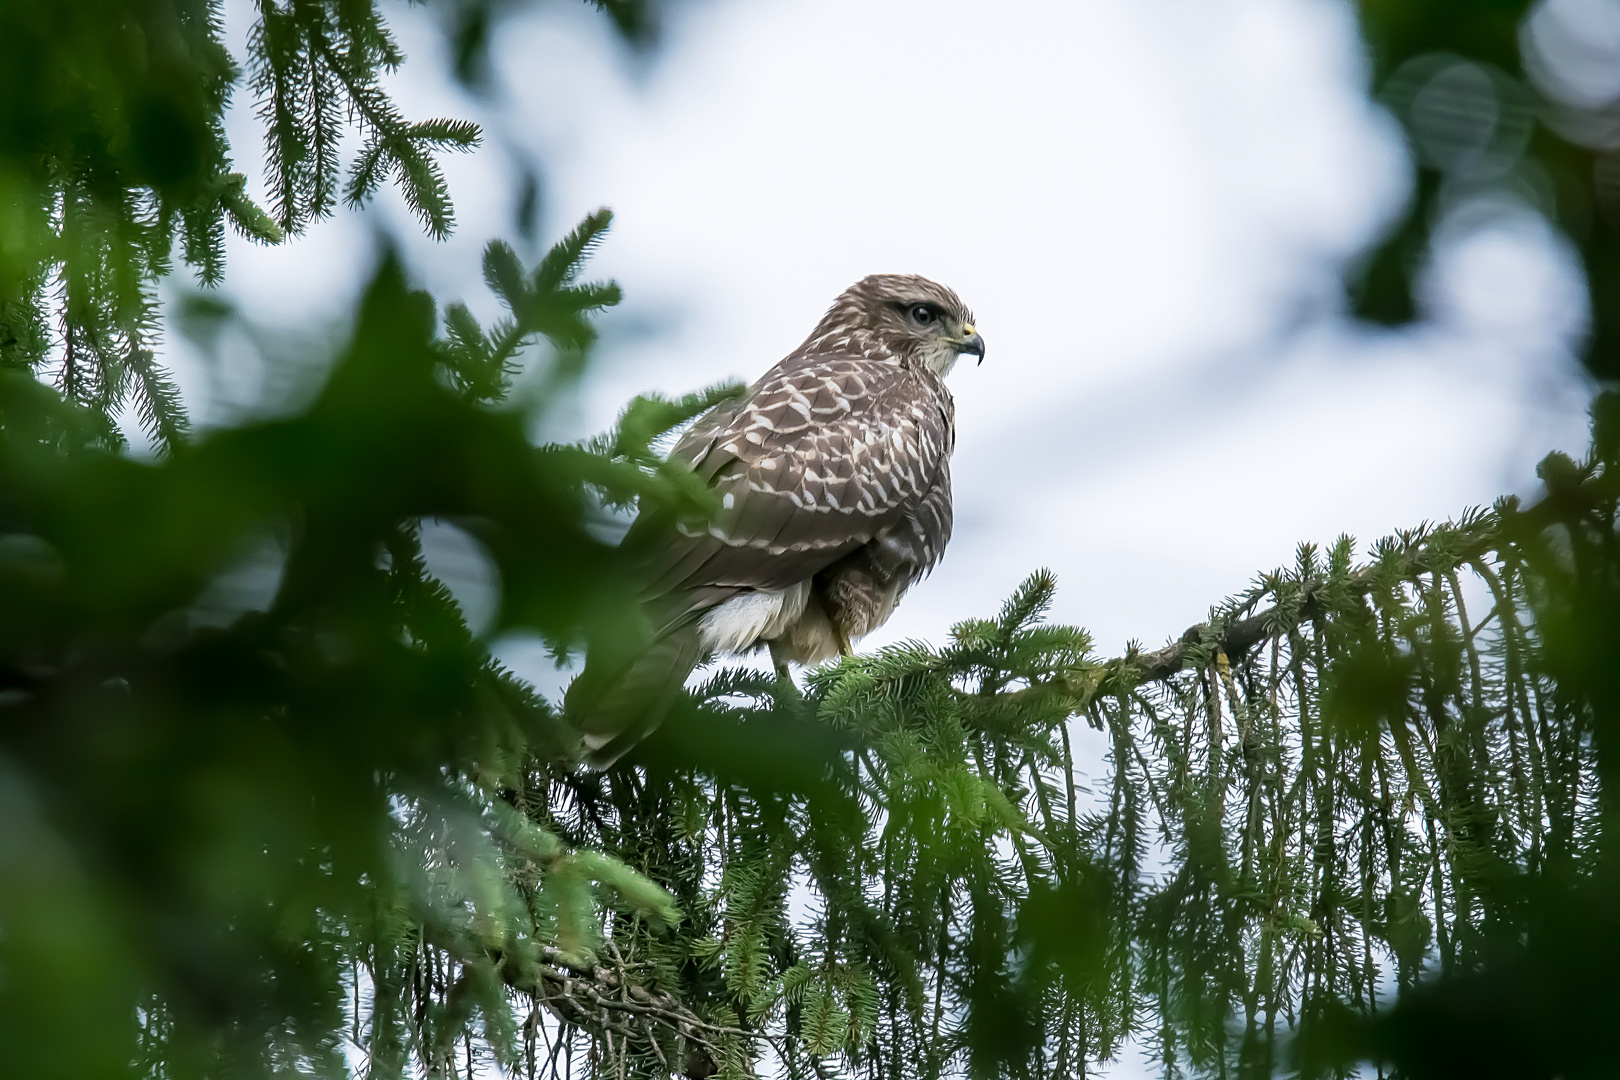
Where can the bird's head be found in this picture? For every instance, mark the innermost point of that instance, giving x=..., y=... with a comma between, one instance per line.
x=910, y=315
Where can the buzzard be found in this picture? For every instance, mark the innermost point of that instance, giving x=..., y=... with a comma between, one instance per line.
x=834, y=484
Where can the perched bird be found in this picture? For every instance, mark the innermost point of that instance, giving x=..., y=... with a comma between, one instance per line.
x=834, y=483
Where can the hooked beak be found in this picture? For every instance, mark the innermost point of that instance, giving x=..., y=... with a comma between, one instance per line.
x=971, y=342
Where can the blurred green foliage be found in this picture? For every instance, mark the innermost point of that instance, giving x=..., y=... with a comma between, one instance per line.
x=113, y=155
x=268, y=807
x=223, y=776
x=1455, y=74
x=1516, y=107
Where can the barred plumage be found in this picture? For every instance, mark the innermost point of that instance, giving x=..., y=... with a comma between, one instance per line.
x=833, y=476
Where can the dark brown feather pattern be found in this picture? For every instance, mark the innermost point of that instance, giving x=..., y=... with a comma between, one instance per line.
x=827, y=453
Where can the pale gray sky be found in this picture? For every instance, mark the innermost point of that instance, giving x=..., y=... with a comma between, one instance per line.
x=1146, y=202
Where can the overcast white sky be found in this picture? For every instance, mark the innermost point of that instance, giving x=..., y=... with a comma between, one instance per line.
x=1146, y=202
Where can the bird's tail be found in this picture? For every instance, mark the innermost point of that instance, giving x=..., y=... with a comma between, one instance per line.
x=617, y=701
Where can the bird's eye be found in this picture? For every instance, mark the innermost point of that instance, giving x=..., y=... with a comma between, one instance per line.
x=922, y=314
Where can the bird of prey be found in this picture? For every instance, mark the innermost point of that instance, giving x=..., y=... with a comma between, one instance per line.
x=832, y=473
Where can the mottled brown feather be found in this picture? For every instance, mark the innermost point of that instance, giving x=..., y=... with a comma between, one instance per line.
x=826, y=453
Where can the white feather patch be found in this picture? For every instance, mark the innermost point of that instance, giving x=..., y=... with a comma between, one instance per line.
x=742, y=622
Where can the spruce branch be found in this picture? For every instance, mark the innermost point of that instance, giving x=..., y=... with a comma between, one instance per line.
x=1409, y=555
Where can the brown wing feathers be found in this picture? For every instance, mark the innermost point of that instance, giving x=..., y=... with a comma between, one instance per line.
x=827, y=453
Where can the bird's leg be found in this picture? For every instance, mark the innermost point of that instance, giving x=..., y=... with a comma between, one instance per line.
x=780, y=661
x=843, y=640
